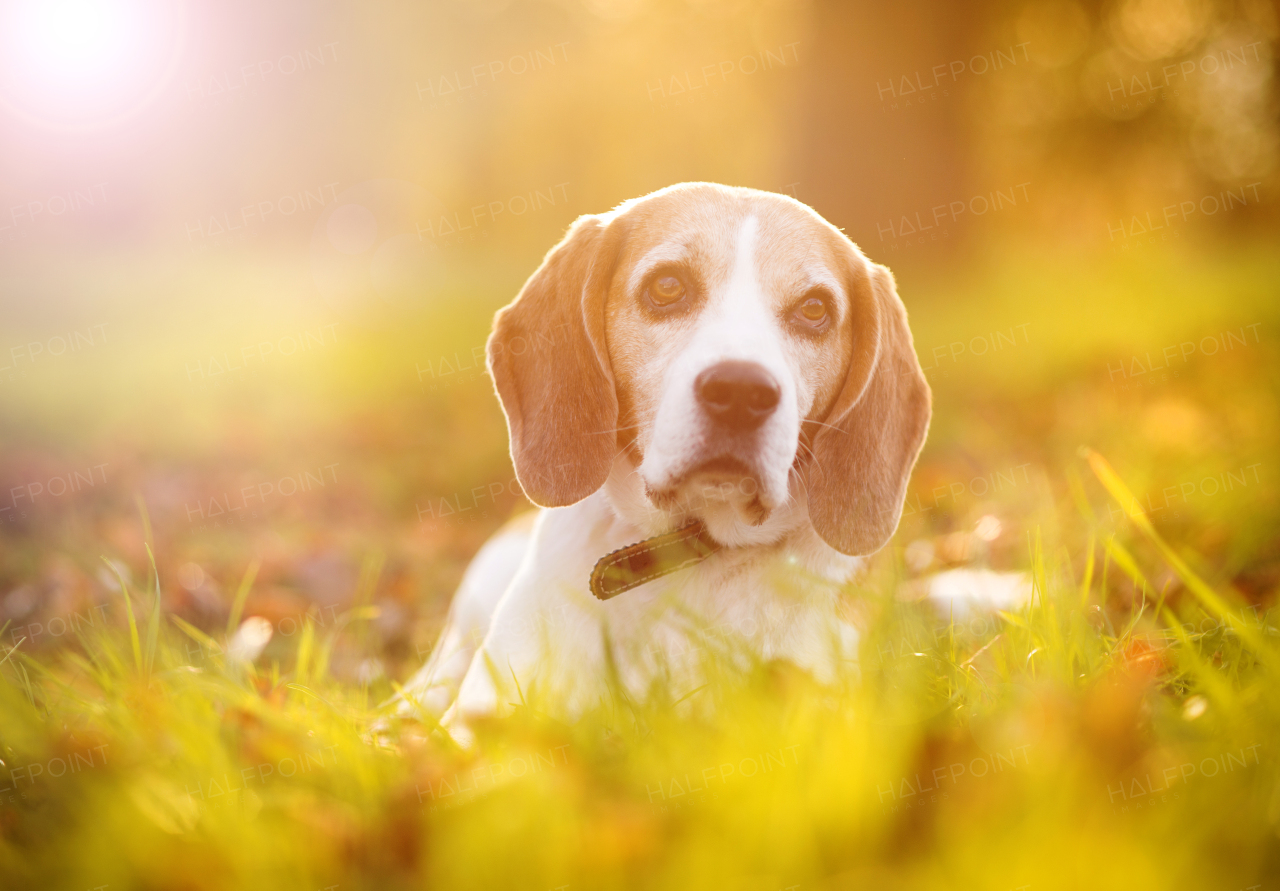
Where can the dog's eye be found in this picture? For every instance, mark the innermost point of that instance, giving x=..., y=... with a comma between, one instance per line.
x=812, y=311
x=666, y=290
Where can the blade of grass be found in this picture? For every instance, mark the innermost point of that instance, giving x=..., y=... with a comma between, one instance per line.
x=366, y=586
x=13, y=650
x=1210, y=680
x=26, y=683
x=153, y=621
x=133, y=623
x=195, y=634
x=242, y=594
x=1124, y=560
x=314, y=695
x=1087, y=582
x=425, y=715
x=1208, y=597
x=146, y=519
x=305, y=644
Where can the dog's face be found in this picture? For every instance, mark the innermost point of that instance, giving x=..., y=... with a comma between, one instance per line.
x=726, y=325
x=733, y=348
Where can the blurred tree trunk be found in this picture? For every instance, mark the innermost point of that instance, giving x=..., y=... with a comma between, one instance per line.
x=859, y=160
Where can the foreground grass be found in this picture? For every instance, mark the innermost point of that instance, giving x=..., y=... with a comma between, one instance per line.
x=1107, y=734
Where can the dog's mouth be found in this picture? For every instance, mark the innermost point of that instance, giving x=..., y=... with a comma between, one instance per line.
x=723, y=481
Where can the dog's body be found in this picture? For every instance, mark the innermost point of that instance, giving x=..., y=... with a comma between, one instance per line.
x=708, y=355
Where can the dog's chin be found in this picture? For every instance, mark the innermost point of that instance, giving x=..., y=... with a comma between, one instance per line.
x=716, y=488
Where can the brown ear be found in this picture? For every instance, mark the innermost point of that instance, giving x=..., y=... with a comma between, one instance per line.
x=549, y=363
x=863, y=459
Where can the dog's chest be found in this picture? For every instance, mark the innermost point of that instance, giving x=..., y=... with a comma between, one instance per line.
x=729, y=605
x=742, y=604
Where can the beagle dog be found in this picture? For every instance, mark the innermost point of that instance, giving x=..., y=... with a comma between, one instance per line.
x=713, y=396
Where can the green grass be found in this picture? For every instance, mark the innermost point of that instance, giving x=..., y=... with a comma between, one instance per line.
x=1067, y=744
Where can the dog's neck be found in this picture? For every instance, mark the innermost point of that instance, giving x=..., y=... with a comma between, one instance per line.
x=786, y=528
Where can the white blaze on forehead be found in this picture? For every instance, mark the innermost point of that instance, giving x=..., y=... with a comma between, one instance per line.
x=744, y=259
x=740, y=324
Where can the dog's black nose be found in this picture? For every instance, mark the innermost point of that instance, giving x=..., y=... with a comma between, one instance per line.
x=738, y=395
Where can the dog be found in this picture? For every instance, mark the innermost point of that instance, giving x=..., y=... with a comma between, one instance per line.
x=713, y=397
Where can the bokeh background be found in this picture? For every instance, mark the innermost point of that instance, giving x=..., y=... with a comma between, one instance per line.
x=250, y=254
x=260, y=247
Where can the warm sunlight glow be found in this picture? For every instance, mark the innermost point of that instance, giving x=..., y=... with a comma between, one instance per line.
x=78, y=43
x=80, y=62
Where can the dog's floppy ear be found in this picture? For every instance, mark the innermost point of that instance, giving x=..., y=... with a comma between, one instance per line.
x=548, y=360
x=864, y=452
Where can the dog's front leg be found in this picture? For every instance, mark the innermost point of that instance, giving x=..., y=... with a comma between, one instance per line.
x=544, y=648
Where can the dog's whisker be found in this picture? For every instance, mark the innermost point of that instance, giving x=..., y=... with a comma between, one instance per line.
x=813, y=462
x=824, y=424
x=614, y=430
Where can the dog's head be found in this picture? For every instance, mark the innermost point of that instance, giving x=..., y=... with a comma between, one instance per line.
x=732, y=350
